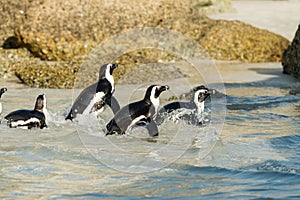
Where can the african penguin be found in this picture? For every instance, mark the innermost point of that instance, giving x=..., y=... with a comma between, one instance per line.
x=29, y=118
x=190, y=111
x=143, y=110
x=96, y=96
x=2, y=91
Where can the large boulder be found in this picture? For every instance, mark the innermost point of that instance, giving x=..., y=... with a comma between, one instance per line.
x=65, y=31
x=291, y=56
x=235, y=40
x=62, y=30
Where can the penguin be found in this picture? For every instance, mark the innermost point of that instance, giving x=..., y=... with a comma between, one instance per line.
x=96, y=96
x=29, y=118
x=189, y=111
x=139, y=111
x=213, y=93
x=2, y=91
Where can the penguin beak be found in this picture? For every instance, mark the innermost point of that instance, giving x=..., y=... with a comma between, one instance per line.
x=163, y=88
x=203, y=95
x=210, y=92
x=114, y=66
x=160, y=89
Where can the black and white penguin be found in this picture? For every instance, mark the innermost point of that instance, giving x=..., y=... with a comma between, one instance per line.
x=96, y=96
x=29, y=118
x=190, y=111
x=2, y=91
x=143, y=110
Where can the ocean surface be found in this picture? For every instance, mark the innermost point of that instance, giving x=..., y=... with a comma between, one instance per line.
x=252, y=152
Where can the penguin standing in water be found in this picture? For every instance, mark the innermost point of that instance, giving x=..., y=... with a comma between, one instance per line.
x=189, y=111
x=29, y=118
x=2, y=91
x=96, y=96
x=140, y=111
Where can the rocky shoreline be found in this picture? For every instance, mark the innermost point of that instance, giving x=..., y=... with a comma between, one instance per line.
x=291, y=57
x=46, y=42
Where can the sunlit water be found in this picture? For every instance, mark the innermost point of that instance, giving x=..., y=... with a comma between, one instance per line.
x=255, y=155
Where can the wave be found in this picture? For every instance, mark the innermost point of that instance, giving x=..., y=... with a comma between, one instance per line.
x=254, y=103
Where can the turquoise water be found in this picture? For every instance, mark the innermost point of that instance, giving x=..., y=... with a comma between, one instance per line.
x=256, y=154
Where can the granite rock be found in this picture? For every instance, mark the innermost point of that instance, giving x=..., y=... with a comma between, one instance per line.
x=291, y=57
x=65, y=32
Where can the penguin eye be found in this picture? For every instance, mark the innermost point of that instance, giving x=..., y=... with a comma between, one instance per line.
x=203, y=92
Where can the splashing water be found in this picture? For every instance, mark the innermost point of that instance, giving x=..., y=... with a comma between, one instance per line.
x=258, y=150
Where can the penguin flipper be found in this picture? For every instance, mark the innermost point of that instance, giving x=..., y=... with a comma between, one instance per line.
x=113, y=128
x=160, y=118
x=69, y=116
x=152, y=128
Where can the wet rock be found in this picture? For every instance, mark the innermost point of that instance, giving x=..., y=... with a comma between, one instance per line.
x=291, y=57
x=12, y=42
x=235, y=40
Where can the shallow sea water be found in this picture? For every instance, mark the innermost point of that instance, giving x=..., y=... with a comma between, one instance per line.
x=255, y=153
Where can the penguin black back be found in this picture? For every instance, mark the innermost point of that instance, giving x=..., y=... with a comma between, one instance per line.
x=95, y=96
x=29, y=118
x=189, y=110
x=134, y=112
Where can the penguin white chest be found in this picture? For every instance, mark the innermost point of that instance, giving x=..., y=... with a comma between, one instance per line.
x=155, y=103
x=200, y=107
x=97, y=99
x=134, y=121
x=0, y=108
x=110, y=79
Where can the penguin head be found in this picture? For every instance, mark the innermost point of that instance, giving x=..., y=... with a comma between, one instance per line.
x=2, y=91
x=200, y=93
x=154, y=91
x=106, y=70
x=40, y=104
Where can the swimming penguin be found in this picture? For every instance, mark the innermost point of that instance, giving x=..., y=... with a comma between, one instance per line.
x=190, y=111
x=29, y=118
x=94, y=97
x=143, y=110
x=213, y=93
x=2, y=91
